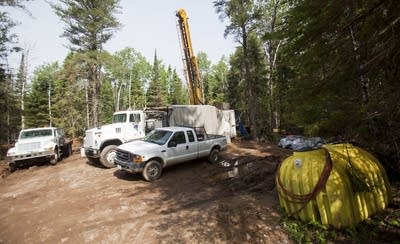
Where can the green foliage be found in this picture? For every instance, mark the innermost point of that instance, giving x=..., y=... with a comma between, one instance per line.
x=311, y=232
x=205, y=74
x=89, y=24
x=127, y=71
x=37, y=100
x=242, y=86
x=217, y=83
x=107, y=103
x=7, y=39
x=332, y=69
x=8, y=103
x=176, y=94
x=332, y=51
x=9, y=110
x=157, y=93
x=242, y=17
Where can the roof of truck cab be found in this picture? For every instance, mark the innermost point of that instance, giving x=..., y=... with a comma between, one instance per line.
x=42, y=128
x=129, y=111
x=174, y=128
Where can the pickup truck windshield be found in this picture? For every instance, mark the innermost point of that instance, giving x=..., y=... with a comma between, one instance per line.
x=119, y=118
x=159, y=137
x=35, y=133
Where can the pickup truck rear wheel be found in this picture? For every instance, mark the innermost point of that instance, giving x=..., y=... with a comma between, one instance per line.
x=152, y=170
x=108, y=155
x=213, y=157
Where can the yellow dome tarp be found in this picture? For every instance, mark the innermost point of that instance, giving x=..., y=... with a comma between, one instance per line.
x=338, y=185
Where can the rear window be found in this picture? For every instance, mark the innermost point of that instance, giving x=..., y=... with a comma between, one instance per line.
x=179, y=137
x=134, y=118
x=190, y=135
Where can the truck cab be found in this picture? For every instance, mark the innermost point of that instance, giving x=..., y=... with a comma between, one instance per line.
x=39, y=145
x=168, y=146
x=100, y=143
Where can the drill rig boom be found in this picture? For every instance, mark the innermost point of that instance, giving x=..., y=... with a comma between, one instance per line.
x=189, y=60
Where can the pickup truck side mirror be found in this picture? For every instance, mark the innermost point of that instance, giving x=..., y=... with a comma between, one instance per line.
x=172, y=144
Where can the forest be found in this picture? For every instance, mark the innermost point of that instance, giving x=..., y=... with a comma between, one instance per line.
x=316, y=68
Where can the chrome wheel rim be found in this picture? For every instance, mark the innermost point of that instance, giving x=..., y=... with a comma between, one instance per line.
x=153, y=171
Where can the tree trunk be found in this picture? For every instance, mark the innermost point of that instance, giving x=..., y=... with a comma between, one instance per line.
x=251, y=102
x=23, y=106
x=271, y=55
x=364, y=81
x=95, y=79
x=118, y=97
x=87, y=105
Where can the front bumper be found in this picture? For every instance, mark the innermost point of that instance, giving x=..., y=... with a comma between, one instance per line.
x=92, y=153
x=129, y=166
x=31, y=156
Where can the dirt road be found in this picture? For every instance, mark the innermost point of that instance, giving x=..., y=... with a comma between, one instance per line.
x=195, y=202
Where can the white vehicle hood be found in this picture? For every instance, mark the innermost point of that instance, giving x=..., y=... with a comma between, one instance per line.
x=140, y=147
x=33, y=144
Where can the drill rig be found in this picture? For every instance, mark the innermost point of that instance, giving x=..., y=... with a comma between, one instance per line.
x=191, y=66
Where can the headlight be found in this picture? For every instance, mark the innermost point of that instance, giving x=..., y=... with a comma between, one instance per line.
x=47, y=146
x=137, y=159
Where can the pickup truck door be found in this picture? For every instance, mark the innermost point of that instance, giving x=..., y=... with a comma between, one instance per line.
x=193, y=147
x=177, y=148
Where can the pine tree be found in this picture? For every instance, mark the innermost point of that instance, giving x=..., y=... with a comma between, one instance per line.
x=157, y=91
x=177, y=94
x=41, y=95
x=89, y=24
x=217, y=84
x=8, y=126
x=242, y=16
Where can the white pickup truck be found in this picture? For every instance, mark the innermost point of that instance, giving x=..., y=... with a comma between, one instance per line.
x=39, y=145
x=167, y=146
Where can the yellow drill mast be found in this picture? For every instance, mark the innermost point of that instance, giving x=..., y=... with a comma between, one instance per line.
x=189, y=60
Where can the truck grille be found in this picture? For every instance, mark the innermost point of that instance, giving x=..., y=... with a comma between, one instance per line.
x=123, y=155
x=28, y=146
x=89, y=139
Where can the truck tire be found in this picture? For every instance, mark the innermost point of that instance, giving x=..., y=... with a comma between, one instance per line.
x=56, y=157
x=12, y=167
x=213, y=157
x=108, y=155
x=94, y=161
x=152, y=170
x=68, y=151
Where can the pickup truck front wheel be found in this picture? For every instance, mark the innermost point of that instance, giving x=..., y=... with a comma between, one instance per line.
x=213, y=157
x=107, y=156
x=152, y=170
